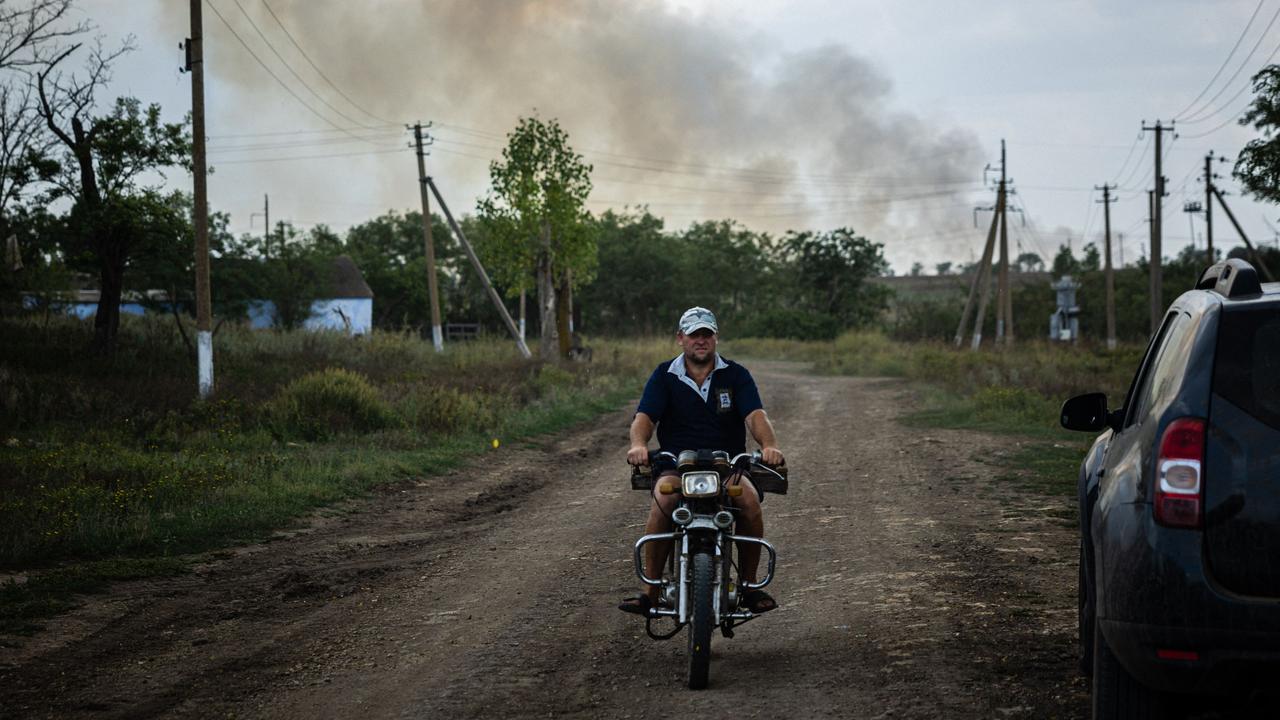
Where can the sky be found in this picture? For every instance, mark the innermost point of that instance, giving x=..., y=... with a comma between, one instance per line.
x=784, y=115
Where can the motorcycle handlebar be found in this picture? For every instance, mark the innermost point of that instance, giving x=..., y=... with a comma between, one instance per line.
x=754, y=457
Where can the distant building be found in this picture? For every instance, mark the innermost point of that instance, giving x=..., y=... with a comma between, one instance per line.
x=349, y=308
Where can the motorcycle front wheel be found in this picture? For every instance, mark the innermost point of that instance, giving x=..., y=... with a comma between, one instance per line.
x=702, y=619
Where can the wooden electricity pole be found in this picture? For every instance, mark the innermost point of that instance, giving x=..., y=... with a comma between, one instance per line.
x=1004, y=300
x=1157, y=201
x=985, y=285
x=484, y=276
x=1110, y=275
x=437, y=335
x=1253, y=253
x=200, y=209
x=979, y=277
x=1208, y=206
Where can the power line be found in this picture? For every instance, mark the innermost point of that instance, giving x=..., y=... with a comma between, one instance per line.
x=282, y=133
x=293, y=72
x=252, y=161
x=275, y=77
x=1125, y=165
x=1222, y=67
x=750, y=177
x=1200, y=115
x=1137, y=166
x=320, y=72
x=305, y=143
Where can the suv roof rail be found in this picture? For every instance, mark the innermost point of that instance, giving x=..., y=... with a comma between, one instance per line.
x=1230, y=278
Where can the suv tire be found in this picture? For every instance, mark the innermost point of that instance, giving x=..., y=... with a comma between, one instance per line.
x=1116, y=693
x=1084, y=616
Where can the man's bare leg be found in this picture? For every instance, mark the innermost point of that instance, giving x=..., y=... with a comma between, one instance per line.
x=656, y=553
x=750, y=522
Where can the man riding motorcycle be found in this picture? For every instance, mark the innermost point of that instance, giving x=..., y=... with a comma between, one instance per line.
x=700, y=401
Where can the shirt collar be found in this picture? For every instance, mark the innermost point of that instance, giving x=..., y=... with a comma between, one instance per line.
x=677, y=366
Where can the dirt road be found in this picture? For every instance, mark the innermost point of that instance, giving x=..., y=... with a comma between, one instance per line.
x=911, y=584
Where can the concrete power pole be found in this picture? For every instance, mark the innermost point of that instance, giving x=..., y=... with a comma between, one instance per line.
x=484, y=276
x=200, y=191
x=1110, y=275
x=1157, y=201
x=437, y=336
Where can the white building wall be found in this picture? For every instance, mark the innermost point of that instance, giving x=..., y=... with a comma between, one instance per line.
x=351, y=315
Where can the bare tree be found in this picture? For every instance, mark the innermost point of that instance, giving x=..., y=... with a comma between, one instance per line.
x=30, y=33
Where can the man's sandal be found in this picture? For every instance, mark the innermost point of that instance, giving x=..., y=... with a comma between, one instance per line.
x=758, y=602
x=638, y=604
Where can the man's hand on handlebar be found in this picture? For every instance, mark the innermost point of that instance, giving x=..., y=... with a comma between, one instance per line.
x=771, y=456
x=638, y=455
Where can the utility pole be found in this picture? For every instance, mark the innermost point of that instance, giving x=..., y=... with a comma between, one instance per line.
x=522, y=301
x=200, y=191
x=1004, y=300
x=1157, y=279
x=484, y=276
x=1120, y=242
x=437, y=336
x=1253, y=252
x=979, y=281
x=1111, y=282
x=266, y=224
x=986, y=281
x=1208, y=205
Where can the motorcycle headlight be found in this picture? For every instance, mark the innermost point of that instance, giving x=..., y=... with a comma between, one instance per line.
x=701, y=484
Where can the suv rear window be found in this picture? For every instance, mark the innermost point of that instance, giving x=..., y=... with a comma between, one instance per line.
x=1247, y=368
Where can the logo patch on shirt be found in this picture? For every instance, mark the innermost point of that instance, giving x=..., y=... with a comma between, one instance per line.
x=724, y=399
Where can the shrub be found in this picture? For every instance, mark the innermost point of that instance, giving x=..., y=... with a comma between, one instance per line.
x=326, y=403
x=438, y=409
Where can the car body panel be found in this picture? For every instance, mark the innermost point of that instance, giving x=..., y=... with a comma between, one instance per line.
x=1152, y=588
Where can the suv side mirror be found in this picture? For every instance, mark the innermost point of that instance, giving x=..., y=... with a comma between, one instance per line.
x=1086, y=412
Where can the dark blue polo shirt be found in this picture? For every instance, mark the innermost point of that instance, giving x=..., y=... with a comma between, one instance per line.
x=686, y=421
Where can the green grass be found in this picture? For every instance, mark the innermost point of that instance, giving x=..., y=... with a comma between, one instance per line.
x=1014, y=392
x=107, y=466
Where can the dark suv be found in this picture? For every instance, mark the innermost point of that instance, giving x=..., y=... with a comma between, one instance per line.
x=1180, y=506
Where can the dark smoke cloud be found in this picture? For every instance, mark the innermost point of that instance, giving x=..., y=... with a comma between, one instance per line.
x=815, y=128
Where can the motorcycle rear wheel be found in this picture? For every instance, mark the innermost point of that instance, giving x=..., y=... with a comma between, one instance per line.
x=702, y=620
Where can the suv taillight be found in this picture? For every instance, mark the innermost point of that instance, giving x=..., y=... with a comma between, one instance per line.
x=1179, y=470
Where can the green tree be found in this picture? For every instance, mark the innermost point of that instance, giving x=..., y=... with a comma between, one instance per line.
x=537, y=225
x=727, y=268
x=1258, y=164
x=830, y=275
x=1028, y=262
x=104, y=162
x=1092, y=258
x=638, y=286
x=1064, y=263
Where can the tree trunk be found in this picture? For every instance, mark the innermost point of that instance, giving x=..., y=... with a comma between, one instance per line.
x=547, y=309
x=106, y=322
x=562, y=314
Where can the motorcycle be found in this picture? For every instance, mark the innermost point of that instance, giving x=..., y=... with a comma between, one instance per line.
x=701, y=587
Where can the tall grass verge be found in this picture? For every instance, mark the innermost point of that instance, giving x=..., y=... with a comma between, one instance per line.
x=110, y=466
x=1015, y=391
